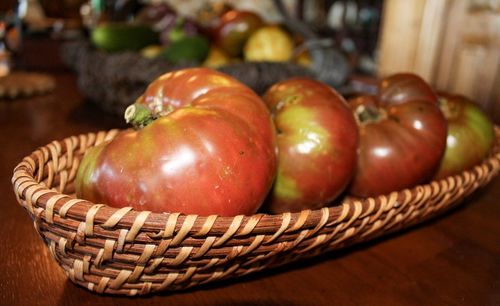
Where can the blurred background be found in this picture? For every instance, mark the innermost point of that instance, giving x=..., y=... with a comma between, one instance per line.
x=453, y=44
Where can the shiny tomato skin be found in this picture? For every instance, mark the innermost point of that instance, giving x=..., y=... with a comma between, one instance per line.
x=402, y=136
x=471, y=135
x=402, y=87
x=317, y=141
x=213, y=153
x=177, y=89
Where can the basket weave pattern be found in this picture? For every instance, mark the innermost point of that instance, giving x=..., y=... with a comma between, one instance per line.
x=122, y=251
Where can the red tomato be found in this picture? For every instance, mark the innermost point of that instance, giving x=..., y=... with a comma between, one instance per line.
x=402, y=136
x=211, y=151
x=317, y=140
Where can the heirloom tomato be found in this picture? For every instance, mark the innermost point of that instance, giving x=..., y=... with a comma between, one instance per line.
x=402, y=136
x=470, y=135
x=206, y=145
x=317, y=140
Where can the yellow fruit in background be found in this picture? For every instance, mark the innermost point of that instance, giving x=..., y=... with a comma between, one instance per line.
x=303, y=58
x=151, y=51
x=216, y=58
x=269, y=43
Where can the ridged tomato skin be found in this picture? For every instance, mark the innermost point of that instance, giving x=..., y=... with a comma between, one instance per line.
x=317, y=139
x=402, y=136
x=212, y=150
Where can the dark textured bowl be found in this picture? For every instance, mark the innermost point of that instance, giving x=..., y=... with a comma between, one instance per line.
x=114, y=80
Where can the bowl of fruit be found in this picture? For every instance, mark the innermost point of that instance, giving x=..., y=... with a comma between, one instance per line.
x=118, y=59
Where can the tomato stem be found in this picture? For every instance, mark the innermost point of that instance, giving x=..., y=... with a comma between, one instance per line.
x=138, y=115
x=365, y=114
x=447, y=111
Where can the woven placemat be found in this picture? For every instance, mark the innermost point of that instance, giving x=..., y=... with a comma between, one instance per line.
x=19, y=84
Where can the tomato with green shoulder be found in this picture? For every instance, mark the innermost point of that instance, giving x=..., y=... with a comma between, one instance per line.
x=471, y=135
x=317, y=140
x=204, y=144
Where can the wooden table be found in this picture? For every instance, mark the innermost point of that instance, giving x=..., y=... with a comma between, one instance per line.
x=452, y=260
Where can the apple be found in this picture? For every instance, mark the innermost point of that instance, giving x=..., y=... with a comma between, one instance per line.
x=234, y=29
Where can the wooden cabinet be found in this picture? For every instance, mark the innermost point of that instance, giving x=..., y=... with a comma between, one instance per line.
x=453, y=44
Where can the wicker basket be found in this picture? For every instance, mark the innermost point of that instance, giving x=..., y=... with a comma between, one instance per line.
x=122, y=251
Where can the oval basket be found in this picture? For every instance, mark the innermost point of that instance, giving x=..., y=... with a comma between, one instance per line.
x=122, y=251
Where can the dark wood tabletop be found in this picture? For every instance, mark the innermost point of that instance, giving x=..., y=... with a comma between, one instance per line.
x=451, y=260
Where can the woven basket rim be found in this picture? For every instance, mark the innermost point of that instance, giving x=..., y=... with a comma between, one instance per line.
x=124, y=251
x=55, y=202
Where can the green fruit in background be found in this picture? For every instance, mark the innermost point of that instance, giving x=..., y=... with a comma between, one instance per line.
x=114, y=37
x=187, y=49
